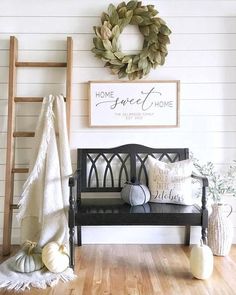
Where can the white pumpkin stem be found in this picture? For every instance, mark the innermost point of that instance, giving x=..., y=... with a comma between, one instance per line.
x=62, y=248
x=31, y=246
x=201, y=243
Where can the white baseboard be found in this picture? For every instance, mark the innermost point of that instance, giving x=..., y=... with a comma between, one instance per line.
x=133, y=235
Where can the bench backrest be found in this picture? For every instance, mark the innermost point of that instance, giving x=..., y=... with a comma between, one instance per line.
x=106, y=170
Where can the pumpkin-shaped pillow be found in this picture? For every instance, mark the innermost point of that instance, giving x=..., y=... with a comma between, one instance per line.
x=135, y=193
x=29, y=258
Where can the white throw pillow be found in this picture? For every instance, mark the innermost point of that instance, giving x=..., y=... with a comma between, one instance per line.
x=170, y=182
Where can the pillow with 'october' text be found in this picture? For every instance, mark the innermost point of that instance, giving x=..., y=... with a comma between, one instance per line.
x=170, y=182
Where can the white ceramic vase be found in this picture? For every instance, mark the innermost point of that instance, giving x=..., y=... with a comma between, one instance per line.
x=220, y=230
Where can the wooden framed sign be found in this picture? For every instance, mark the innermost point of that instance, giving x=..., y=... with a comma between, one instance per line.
x=146, y=103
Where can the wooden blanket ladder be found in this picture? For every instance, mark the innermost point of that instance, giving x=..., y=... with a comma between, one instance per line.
x=11, y=170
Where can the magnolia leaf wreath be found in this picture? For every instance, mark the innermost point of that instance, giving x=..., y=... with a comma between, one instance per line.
x=154, y=30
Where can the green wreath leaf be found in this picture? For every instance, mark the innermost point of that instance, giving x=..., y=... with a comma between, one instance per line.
x=115, y=32
x=119, y=55
x=165, y=30
x=111, y=9
x=129, y=15
x=136, y=20
x=132, y=5
x=144, y=30
x=156, y=37
x=104, y=17
x=122, y=4
x=98, y=43
x=108, y=55
x=107, y=45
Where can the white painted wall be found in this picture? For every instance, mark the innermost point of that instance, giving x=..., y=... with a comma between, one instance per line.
x=202, y=54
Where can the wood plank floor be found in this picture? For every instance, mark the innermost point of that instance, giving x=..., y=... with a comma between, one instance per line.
x=142, y=270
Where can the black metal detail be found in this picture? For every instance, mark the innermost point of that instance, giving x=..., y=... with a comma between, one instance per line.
x=93, y=167
x=71, y=220
x=129, y=165
x=123, y=167
x=71, y=243
x=187, y=235
x=142, y=168
x=108, y=167
x=161, y=157
x=204, y=201
x=109, y=170
x=168, y=156
x=79, y=237
x=176, y=158
x=204, y=235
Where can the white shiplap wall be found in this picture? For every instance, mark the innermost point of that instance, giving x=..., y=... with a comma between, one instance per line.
x=202, y=54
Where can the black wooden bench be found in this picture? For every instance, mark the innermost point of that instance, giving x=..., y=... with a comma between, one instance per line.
x=106, y=171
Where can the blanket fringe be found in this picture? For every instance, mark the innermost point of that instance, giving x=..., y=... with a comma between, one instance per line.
x=66, y=276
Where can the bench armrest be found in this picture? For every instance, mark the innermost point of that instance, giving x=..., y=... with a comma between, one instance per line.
x=202, y=178
x=205, y=183
x=73, y=178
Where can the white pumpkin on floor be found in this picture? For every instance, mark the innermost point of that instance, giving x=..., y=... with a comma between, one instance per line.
x=201, y=261
x=55, y=257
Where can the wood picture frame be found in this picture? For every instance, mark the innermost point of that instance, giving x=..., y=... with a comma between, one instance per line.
x=134, y=104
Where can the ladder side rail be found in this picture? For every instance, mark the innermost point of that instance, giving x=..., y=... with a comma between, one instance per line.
x=69, y=81
x=10, y=154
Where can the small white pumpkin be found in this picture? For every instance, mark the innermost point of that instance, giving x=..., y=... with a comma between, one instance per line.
x=55, y=257
x=201, y=261
x=29, y=258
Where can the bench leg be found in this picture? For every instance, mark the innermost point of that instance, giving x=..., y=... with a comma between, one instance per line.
x=187, y=235
x=204, y=226
x=79, y=237
x=204, y=235
x=72, y=246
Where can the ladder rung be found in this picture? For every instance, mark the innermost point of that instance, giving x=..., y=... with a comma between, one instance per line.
x=26, y=134
x=23, y=134
x=42, y=64
x=14, y=206
x=29, y=99
x=20, y=170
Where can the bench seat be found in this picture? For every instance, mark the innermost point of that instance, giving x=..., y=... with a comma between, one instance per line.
x=103, y=211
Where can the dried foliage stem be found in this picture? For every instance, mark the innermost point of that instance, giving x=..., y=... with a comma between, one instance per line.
x=219, y=183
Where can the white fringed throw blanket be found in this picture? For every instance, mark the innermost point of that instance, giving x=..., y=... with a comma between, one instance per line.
x=45, y=201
